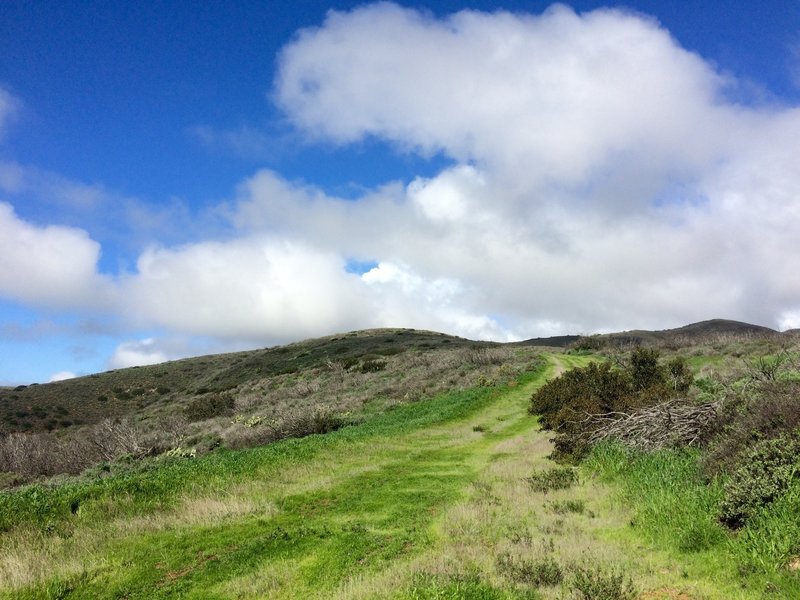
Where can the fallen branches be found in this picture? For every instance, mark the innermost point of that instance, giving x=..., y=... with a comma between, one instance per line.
x=671, y=424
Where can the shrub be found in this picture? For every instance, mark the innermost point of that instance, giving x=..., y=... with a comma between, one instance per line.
x=566, y=404
x=209, y=406
x=645, y=370
x=373, y=366
x=763, y=475
x=557, y=478
x=588, y=343
x=318, y=420
x=592, y=389
x=31, y=455
x=679, y=375
x=770, y=411
x=568, y=506
x=593, y=583
x=537, y=572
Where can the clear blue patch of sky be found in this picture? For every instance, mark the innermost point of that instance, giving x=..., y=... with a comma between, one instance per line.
x=359, y=267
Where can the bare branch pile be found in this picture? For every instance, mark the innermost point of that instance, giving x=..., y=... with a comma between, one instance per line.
x=671, y=424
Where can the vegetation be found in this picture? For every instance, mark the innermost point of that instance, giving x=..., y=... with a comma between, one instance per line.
x=576, y=404
x=710, y=469
x=425, y=477
x=244, y=399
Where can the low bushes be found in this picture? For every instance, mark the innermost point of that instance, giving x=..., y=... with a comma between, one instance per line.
x=761, y=412
x=296, y=424
x=764, y=474
x=568, y=404
x=557, y=478
x=209, y=406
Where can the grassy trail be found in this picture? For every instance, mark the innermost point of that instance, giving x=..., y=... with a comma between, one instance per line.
x=412, y=512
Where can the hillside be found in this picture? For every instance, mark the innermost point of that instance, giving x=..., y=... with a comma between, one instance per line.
x=150, y=391
x=449, y=495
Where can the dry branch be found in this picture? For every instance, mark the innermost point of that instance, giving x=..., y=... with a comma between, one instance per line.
x=671, y=424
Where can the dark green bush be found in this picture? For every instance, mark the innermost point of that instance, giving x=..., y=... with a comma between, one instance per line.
x=589, y=343
x=208, y=407
x=373, y=366
x=594, y=389
x=771, y=410
x=679, y=375
x=645, y=370
x=764, y=474
x=598, y=389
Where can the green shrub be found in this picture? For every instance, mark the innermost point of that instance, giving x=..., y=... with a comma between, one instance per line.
x=557, y=478
x=645, y=370
x=594, y=389
x=373, y=366
x=589, y=343
x=763, y=475
x=208, y=407
x=768, y=412
x=594, y=583
x=568, y=506
x=537, y=572
x=565, y=403
x=679, y=375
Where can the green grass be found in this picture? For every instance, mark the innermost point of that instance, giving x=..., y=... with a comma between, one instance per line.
x=676, y=510
x=152, y=485
x=346, y=503
x=431, y=499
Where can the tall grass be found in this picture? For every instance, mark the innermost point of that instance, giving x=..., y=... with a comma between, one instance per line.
x=676, y=509
x=673, y=506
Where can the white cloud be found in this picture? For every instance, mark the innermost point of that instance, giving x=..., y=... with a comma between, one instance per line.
x=600, y=181
x=53, y=266
x=61, y=376
x=558, y=96
x=137, y=353
x=611, y=185
x=248, y=288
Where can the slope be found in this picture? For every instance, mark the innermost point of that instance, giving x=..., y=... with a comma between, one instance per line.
x=427, y=501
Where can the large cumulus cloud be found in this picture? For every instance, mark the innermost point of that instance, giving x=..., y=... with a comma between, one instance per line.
x=600, y=177
x=612, y=180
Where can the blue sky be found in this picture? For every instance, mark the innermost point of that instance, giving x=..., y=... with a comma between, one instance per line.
x=177, y=180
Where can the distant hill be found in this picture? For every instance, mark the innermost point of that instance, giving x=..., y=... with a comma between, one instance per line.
x=156, y=389
x=696, y=332
x=556, y=341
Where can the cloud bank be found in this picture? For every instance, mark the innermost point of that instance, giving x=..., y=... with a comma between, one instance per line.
x=601, y=177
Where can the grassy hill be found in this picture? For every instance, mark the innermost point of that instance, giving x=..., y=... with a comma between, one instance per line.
x=423, y=476
x=150, y=391
x=158, y=390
